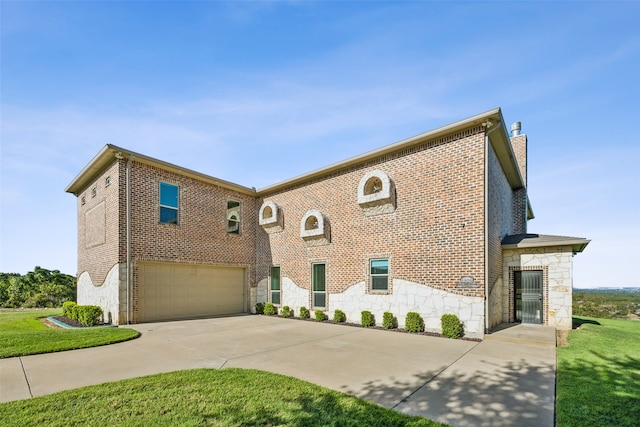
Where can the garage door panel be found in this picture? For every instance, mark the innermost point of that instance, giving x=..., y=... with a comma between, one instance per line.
x=174, y=291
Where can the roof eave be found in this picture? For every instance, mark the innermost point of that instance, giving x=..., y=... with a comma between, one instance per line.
x=494, y=115
x=108, y=155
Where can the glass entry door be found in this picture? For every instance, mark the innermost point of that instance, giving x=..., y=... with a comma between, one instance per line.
x=528, y=293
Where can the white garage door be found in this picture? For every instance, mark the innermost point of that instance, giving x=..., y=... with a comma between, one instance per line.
x=179, y=291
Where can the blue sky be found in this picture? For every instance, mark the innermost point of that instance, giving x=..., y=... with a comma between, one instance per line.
x=258, y=92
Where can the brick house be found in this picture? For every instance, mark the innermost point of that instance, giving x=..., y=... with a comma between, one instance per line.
x=435, y=224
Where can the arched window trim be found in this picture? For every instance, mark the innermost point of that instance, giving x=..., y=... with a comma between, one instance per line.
x=319, y=230
x=275, y=214
x=381, y=195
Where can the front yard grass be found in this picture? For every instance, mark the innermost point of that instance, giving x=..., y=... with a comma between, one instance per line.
x=22, y=334
x=599, y=374
x=227, y=397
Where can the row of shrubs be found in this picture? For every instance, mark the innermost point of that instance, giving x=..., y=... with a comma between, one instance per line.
x=88, y=315
x=451, y=325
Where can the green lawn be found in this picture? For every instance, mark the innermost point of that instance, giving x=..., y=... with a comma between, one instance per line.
x=599, y=374
x=21, y=334
x=227, y=397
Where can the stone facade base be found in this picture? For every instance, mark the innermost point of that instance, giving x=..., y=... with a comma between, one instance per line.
x=407, y=296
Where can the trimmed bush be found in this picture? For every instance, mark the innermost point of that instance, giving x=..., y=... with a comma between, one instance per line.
x=260, y=308
x=270, y=309
x=451, y=326
x=339, y=316
x=320, y=316
x=414, y=322
x=89, y=315
x=286, y=311
x=304, y=313
x=366, y=319
x=389, y=321
x=68, y=308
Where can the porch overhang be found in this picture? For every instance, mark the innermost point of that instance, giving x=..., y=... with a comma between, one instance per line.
x=524, y=241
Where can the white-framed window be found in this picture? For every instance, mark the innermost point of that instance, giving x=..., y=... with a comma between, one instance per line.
x=379, y=274
x=275, y=285
x=169, y=197
x=233, y=217
x=319, y=281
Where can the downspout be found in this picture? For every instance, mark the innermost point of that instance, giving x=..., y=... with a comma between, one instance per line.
x=487, y=142
x=128, y=227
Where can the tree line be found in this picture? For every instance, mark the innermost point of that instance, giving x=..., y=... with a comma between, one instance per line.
x=37, y=288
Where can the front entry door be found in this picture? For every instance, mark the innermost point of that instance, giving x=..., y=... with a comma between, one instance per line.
x=528, y=292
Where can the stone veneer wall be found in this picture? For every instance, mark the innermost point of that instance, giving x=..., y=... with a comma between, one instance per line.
x=107, y=295
x=557, y=261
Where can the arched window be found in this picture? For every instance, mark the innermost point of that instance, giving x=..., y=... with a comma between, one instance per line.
x=269, y=214
x=313, y=224
x=376, y=193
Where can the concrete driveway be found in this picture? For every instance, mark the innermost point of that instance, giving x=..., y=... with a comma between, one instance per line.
x=506, y=380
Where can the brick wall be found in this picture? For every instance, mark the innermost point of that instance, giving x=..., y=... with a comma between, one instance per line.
x=434, y=237
x=200, y=237
x=99, y=224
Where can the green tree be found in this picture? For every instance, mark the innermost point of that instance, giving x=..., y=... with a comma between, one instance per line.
x=37, y=288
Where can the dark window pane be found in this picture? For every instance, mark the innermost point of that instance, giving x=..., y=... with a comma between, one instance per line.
x=275, y=278
x=319, y=299
x=379, y=283
x=319, y=277
x=275, y=297
x=168, y=215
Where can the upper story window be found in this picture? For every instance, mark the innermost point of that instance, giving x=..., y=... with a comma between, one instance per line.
x=376, y=193
x=379, y=273
x=233, y=217
x=168, y=203
x=269, y=214
x=313, y=225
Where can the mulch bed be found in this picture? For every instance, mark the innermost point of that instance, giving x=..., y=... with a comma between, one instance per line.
x=380, y=328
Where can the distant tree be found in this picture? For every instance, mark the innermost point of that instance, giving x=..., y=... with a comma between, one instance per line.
x=37, y=288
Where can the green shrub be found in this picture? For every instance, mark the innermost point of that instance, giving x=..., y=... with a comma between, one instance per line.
x=414, y=322
x=260, y=308
x=270, y=309
x=304, y=313
x=389, y=321
x=451, y=326
x=89, y=315
x=339, y=316
x=67, y=308
x=286, y=311
x=320, y=316
x=366, y=319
